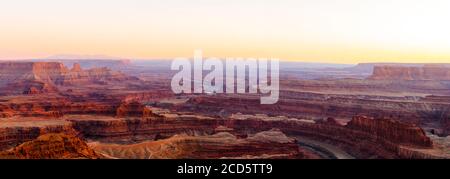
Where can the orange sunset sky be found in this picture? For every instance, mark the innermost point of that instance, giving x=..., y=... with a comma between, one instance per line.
x=335, y=31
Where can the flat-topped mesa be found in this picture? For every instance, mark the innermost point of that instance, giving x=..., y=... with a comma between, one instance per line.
x=391, y=130
x=271, y=144
x=55, y=73
x=43, y=71
x=76, y=68
x=134, y=109
x=425, y=72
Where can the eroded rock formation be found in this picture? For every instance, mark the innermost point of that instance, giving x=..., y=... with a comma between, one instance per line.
x=55, y=73
x=426, y=72
x=135, y=109
x=17, y=132
x=392, y=130
x=362, y=137
x=52, y=146
x=268, y=144
x=109, y=107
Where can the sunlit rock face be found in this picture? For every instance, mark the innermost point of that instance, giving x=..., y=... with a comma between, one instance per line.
x=55, y=73
x=267, y=144
x=426, y=72
x=52, y=146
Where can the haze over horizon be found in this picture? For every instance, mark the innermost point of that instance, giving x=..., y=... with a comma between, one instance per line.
x=345, y=31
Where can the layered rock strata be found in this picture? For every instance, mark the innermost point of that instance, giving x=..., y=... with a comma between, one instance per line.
x=268, y=144
x=426, y=72
x=52, y=146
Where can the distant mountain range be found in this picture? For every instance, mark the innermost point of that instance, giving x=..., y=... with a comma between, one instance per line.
x=81, y=57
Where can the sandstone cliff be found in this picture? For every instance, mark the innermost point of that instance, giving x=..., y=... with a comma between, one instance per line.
x=17, y=132
x=392, y=130
x=426, y=72
x=268, y=144
x=135, y=109
x=55, y=73
x=362, y=137
x=52, y=146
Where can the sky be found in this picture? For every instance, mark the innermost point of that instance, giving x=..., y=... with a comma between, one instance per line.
x=333, y=31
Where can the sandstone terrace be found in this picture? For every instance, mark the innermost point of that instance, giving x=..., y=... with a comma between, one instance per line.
x=106, y=110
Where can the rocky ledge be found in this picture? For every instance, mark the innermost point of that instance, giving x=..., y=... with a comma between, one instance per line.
x=426, y=72
x=52, y=146
x=268, y=144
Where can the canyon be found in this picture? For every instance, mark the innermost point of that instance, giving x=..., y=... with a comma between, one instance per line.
x=104, y=113
x=131, y=137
